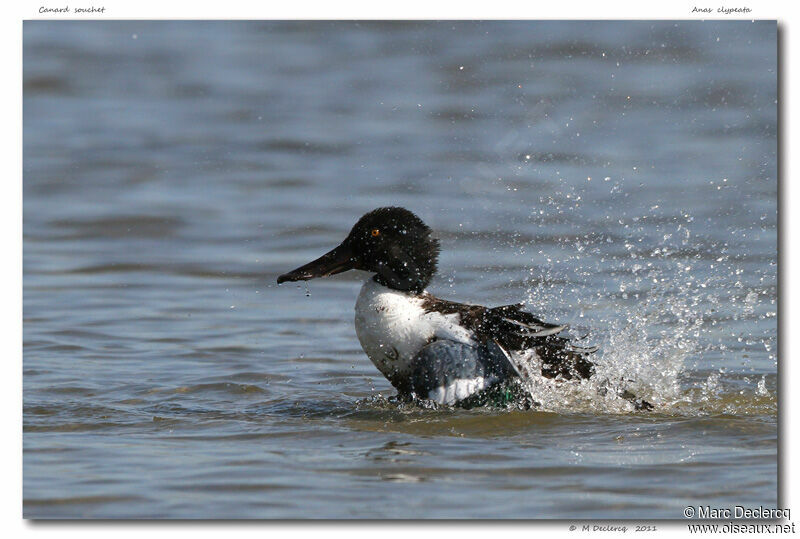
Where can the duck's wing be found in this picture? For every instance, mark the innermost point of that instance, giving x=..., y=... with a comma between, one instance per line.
x=513, y=329
x=504, y=331
x=516, y=329
x=560, y=357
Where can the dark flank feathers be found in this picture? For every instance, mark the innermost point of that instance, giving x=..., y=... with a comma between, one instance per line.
x=443, y=362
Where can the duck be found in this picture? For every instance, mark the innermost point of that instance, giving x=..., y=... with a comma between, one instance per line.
x=436, y=349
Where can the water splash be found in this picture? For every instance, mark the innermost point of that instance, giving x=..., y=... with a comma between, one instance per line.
x=661, y=312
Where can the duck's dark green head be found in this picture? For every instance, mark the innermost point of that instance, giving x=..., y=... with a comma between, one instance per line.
x=391, y=242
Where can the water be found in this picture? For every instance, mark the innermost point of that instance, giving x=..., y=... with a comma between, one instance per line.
x=619, y=176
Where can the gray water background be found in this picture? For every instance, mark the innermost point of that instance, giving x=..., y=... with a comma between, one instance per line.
x=619, y=176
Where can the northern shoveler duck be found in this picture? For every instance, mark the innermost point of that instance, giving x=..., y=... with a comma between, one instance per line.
x=434, y=348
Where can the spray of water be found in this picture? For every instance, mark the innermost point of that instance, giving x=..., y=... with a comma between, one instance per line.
x=664, y=299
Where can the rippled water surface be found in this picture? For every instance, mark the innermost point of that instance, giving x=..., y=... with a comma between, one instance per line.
x=618, y=176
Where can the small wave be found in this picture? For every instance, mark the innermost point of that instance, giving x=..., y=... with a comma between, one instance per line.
x=225, y=387
x=80, y=500
x=729, y=396
x=130, y=226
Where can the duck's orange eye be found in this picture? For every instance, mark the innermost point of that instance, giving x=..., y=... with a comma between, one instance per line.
x=375, y=232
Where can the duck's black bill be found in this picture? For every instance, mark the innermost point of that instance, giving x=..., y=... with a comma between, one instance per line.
x=331, y=263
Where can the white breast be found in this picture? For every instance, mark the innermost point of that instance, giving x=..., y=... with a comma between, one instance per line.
x=393, y=327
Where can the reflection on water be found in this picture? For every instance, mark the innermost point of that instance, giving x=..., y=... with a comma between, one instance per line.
x=618, y=176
